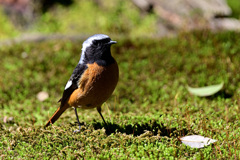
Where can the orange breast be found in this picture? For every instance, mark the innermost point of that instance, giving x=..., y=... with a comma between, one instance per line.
x=95, y=86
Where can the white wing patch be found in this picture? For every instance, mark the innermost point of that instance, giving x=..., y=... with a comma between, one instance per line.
x=69, y=83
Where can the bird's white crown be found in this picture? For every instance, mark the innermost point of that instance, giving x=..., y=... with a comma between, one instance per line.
x=87, y=43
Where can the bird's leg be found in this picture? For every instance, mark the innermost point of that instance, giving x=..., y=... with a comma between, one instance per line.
x=99, y=111
x=75, y=109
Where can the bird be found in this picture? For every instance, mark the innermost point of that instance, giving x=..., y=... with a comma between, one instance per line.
x=93, y=80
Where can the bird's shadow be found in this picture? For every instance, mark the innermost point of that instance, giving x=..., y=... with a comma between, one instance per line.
x=139, y=128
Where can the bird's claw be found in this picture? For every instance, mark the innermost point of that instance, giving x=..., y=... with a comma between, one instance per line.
x=77, y=131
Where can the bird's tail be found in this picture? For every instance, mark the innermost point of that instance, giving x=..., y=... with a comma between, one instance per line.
x=56, y=114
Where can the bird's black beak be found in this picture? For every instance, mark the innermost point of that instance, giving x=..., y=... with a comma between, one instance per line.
x=112, y=42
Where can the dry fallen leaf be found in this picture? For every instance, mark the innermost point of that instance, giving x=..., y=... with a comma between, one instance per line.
x=8, y=119
x=42, y=96
x=197, y=141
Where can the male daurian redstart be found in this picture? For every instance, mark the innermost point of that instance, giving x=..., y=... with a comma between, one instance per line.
x=93, y=80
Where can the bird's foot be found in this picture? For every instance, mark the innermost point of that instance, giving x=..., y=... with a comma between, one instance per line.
x=77, y=131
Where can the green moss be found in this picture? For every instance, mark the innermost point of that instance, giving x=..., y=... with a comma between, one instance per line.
x=149, y=110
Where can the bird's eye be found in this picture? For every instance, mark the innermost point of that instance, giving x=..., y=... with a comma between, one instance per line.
x=94, y=42
x=106, y=41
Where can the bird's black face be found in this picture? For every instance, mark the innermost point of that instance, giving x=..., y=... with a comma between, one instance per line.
x=100, y=47
x=98, y=50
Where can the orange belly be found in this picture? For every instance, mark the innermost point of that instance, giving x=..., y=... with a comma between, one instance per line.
x=95, y=86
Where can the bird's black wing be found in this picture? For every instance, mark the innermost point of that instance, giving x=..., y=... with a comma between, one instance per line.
x=72, y=83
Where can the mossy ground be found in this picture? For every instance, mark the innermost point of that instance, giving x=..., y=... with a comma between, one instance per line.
x=149, y=110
